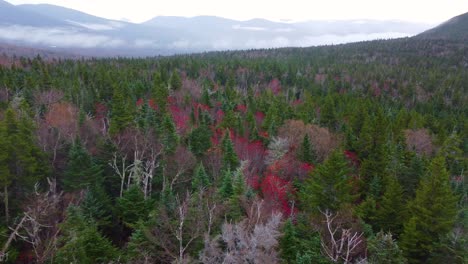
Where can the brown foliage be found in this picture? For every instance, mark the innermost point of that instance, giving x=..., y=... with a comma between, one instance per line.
x=321, y=138
x=420, y=141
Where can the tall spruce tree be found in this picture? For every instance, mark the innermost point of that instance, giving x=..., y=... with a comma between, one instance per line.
x=329, y=186
x=432, y=215
x=230, y=159
x=81, y=170
x=121, y=110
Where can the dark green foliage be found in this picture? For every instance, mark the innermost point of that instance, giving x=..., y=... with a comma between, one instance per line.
x=384, y=249
x=82, y=242
x=160, y=92
x=200, y=178
x=226, y=190
x=132, y=206
x=300, y=244
x=329, y=186
x=199, y=140
x=230, y=159
x=175, y=81
x=121, y=110
x=307, y=151
x=81, y=170
x=432, y=214
x=392, y=210
x=96, y=205
x=168, y=133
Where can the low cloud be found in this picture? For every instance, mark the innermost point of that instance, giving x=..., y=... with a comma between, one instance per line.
x=239, y=27
x=59, y=37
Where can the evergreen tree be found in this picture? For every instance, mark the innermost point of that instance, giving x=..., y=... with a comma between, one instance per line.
x=383, y=249
x=392, y=210
x=230, y=159
x=132, y=206
x=160, y=92
x=287, y=242
x=175, y=81
x=432, y=215
x=81, y=171
x=226, y=190
x=82, y=242
x=96, y=205
x=329, y=186
x=121, y=114
x=308, y=154
x=168, y=134
x=200, y=140
x=200, y=178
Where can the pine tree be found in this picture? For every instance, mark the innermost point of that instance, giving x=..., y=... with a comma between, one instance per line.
x=226, y=190
x=96, y=205
x=230, y=159
x=175, y=81
x=132, y=206
x=329, y=186
x=200, y=178
x=308, y=154
x=200, y=140
x=23, y=163
x=121, y=114
x=81, y=241
x=160, y=93
x=169, y=136
x=383, y=249
x=392, y=210
x=81, y=171
x=287, y=242
x=432, y=214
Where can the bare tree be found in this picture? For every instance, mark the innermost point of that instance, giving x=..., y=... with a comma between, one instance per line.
x=253, y=240
x=40, y=224
x=339, y=243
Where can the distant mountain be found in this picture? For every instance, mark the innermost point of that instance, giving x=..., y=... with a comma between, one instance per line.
x=66, y=30
x=12, y=15
x=455, y=28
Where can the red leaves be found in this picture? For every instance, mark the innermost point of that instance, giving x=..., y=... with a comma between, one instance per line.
x=275, y=86
x=276, y=192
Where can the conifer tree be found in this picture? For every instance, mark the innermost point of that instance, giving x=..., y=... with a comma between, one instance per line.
x=200, y=140
x=329, y=185
x=226, y=190
x=81, y=171
x=169, y=136
x=132, y=206
x=383, y=249
x=432, y=214
x=230, y=159
x=308, y=154
x=175, y=81
x=160, y=92
x=392, y=210
x=121, y=115
x=200, y=178
x=81, y=241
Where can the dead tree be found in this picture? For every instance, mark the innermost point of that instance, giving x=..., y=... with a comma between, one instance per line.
x=339, y=243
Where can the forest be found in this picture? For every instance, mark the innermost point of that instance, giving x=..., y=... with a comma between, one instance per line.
x=350, y=153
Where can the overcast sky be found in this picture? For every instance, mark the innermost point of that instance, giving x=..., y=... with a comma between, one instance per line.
x=426, y=11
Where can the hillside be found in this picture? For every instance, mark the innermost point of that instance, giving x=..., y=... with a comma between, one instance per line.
x=258, y=156
x=454, y=29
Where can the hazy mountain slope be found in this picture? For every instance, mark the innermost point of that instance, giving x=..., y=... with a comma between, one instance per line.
x=455, y=28
x=13, y=15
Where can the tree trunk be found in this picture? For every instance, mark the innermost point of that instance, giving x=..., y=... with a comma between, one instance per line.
x=7, y=213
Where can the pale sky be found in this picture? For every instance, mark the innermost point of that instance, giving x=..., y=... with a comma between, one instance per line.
x=425, y=11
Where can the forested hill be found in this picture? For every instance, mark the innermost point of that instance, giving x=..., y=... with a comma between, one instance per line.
x=259, y=156
x=455, y=28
